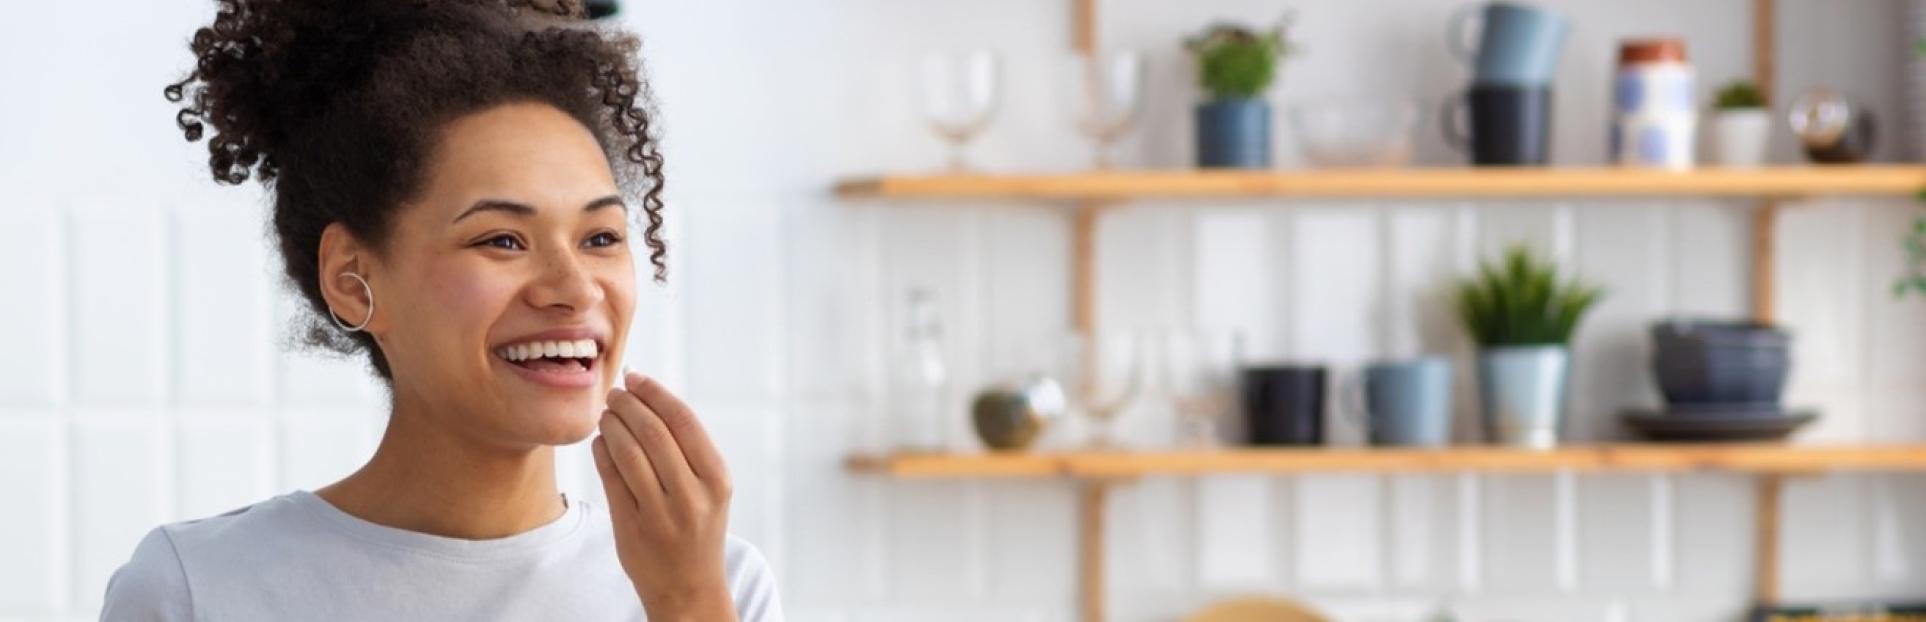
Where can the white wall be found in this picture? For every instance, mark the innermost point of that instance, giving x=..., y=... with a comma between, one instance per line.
x=147, y=383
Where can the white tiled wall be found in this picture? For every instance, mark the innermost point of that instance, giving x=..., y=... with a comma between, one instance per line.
x=147, y=382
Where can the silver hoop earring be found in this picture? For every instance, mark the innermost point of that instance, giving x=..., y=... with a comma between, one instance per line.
x=364, y=321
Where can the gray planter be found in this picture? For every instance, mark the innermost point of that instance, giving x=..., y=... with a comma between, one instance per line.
x=1234, y=133
x=1523, y=393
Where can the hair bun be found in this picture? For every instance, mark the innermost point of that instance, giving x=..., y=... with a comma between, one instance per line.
x=265, y=67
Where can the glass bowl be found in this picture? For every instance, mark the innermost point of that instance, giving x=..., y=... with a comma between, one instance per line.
x=1355, y=132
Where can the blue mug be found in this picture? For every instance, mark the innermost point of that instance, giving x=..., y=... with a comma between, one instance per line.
x=1518, y=45
x=1405, y=403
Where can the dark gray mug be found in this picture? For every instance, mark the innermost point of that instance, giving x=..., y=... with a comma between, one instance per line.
x=1509, y=125
x=1404, y=402
x=1284, y=404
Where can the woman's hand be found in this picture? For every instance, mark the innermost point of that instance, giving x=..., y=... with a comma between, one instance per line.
x=668, y=496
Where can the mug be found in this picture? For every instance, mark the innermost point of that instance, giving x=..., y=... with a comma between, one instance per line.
x=1284, y=405
x=1518, y=45
x=1403, y=402
x=1510, y=125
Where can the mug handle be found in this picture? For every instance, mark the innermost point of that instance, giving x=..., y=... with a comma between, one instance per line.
x=1451, y=123
x=1458, y=38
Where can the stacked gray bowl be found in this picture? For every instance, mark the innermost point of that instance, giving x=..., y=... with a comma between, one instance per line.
x=1720, y=364
x=1721, y=381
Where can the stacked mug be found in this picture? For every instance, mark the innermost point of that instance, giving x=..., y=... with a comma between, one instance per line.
x=1508, y=107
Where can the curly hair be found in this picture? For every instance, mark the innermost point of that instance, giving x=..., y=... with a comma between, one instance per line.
x=335, y=105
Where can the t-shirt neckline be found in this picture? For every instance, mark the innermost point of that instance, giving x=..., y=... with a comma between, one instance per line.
x=570, y=522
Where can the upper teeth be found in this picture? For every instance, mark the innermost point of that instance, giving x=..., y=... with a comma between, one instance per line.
x=578, y=349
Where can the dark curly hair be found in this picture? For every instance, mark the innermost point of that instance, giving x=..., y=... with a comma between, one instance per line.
x=335, y=105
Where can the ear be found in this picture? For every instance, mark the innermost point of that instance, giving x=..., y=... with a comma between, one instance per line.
x=341, y=254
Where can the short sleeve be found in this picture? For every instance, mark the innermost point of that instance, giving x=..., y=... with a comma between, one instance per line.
x=752, y=584
x=150, y=587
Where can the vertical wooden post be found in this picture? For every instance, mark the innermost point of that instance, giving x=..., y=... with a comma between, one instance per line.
x=1765, y=38
x=1083, y=268
x=1090, y=511
x=1766, y=540
x=1083, y=311
x=1083, y=20
x=1765, y=249
x=1765, y=224
x=1766, y=218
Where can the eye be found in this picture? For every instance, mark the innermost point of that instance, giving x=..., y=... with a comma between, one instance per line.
x=503, y=241
x=604, y=239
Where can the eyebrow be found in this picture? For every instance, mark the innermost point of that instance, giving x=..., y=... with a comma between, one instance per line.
x=524, y=209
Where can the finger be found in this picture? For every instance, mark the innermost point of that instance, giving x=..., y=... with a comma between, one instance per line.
x=671, y=468
x=704, y=460
x=631, y=462
x=621, y=502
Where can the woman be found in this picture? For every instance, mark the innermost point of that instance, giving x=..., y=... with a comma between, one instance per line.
x=452, y=182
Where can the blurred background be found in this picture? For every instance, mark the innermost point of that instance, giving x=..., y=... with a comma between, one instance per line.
x=150, y=381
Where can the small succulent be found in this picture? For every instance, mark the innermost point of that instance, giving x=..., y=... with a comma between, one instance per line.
x=1235, y=62
x=1738, y=94
x=1520, y=301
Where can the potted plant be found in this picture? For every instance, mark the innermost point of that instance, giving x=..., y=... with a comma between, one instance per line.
x=1741, y=127
x=1521, y=316
x=1234, y=66
x=1914, y=243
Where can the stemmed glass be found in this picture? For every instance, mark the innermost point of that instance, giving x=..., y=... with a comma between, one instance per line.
x=1106, y=97
x=959, y=94
x=1200, y=378
x=1108, y=377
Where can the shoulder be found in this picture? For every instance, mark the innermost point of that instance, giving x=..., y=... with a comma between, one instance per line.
x=152, y=585
x=752, y=583
x=156, y=581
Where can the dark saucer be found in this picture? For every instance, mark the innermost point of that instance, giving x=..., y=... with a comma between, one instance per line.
x=1700, y=424
x=1767, y=410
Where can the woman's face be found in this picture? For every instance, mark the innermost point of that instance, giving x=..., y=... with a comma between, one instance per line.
x=505, y=289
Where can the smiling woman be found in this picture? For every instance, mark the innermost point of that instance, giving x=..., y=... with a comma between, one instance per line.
x=472, y=166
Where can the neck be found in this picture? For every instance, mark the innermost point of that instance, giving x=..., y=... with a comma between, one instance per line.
x=424, y=478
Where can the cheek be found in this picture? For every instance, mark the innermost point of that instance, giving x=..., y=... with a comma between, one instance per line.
x=465, y=298
x=618, y=285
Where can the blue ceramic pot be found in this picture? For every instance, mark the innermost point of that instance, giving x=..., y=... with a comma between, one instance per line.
x=1523, y=388
x=1234, y=133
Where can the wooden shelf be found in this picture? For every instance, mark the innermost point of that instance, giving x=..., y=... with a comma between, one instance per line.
x=1778, y=181
x=1743, y=458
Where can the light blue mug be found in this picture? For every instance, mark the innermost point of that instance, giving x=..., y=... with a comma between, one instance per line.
x=1517, y=44
x=1404, y=403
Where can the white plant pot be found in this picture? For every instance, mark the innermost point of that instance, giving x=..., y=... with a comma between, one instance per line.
x=1740, y=137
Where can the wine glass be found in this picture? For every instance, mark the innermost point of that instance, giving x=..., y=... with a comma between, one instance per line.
x=1108, y=378
x=959, y=93
x=1106, y=96
x=1200, y=379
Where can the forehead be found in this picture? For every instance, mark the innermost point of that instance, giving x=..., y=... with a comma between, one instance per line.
x=524, y=152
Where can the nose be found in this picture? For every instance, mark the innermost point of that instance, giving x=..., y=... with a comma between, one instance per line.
x=564, y=284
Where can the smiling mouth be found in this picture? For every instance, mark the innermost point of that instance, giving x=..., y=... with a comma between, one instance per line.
x=552, y=356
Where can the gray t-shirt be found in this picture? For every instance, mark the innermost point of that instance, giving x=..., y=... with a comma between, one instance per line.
x=297, y=557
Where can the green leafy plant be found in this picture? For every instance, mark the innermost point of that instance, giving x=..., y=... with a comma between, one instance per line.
x=1520, y=301
x=1914, y=243
x=1737, y=95
x=1234, y=62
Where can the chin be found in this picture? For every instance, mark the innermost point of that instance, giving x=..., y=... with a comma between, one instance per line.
x=557, y=425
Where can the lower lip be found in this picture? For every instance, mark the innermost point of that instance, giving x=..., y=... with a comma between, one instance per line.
x=556, y=380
